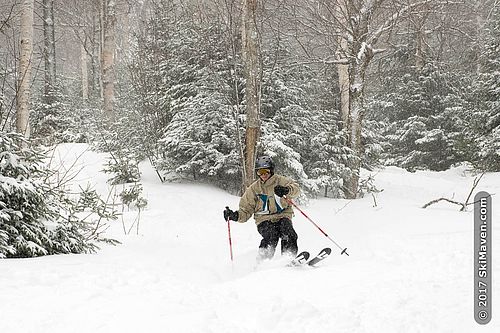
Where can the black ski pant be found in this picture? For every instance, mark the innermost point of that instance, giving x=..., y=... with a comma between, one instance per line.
x=271, y=233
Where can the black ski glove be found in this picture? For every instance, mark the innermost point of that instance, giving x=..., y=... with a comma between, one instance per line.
x=229, y=214
x=281, y=190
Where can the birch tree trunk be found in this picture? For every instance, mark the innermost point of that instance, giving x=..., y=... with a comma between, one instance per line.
x=96, y=51
x=341, y=16
x=358, y=36
x=354, y=126
x=49, y=51
x=355, y=53
x=108, y=61
x=25, y=64
x=250, y=53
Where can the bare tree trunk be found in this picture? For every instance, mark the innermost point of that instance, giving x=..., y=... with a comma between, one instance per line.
x=96, y=47
x=24, y=80
x=345, y=101
x=419, y=52
x=49, y=51
x=354, y=27
x=341, y=16
x=125, y=33
x=250, y=51
x=355, y=50
x=85, y=74
x=480, y=21
x=108, y=59
x=419, y=25
x=356, y=115
x=350, y=108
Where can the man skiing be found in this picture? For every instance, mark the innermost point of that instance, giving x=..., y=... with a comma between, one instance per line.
x=273, y=216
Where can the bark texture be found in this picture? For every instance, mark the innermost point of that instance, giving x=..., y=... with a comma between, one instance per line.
x=25, y=64
x=250, y=52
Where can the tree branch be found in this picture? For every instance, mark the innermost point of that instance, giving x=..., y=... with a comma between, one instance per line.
x=462, y=204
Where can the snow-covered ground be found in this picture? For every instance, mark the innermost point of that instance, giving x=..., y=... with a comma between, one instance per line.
x=409, y=270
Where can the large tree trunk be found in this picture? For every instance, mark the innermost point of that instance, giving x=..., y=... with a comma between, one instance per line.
x=356, y=115
x=25, y=63
x=250, y=52
x=353, y=48
x=349, y=103
x=341, y=16
x=49, y=51
x=108, y=60
x=345, y=101
x=356, y=27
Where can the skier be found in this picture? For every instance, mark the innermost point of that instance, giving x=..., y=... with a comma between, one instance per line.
x=273, y=216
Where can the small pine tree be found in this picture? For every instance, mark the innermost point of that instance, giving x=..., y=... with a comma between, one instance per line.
x=36, y=216
x=23, y=203
x=123, y=167
x=62, y=119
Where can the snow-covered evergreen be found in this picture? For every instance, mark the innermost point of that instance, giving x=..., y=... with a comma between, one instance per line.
x=204, y=100
x=171, y=160
x=488, y=96
x=37, y=216
x=22, y=201
x=426, y=115
x=200, y=140
x=302, y=130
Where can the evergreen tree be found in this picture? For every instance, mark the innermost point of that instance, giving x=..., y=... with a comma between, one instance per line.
x=487, y=96
x=425, y=112
x=199, y=86
x=200, y=140
x=22, y=201
x=63, y=117
x=301, y=130
x=37, y=217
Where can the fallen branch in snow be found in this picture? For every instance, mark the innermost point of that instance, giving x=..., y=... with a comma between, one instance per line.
x=462, y=204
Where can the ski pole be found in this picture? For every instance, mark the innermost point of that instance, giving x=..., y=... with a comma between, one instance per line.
x=317, y=226
x=229, y=236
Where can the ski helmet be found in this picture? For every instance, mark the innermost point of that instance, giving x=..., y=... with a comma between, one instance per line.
x=264, y=162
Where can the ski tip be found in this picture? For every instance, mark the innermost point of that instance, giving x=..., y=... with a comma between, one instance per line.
x=304, y=254
x=344, y=251
x=300, y=259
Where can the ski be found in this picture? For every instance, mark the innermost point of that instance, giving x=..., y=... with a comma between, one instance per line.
x=321, y=255
x=300, y=259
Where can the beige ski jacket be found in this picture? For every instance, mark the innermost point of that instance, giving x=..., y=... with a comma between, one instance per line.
x=260, y=201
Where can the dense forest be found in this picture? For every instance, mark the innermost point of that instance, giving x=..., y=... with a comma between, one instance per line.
x=201, y=87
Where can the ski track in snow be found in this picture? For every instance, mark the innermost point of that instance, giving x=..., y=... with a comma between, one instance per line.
x=409, y=270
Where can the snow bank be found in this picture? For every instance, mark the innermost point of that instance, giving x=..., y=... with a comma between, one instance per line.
x=409, y=270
